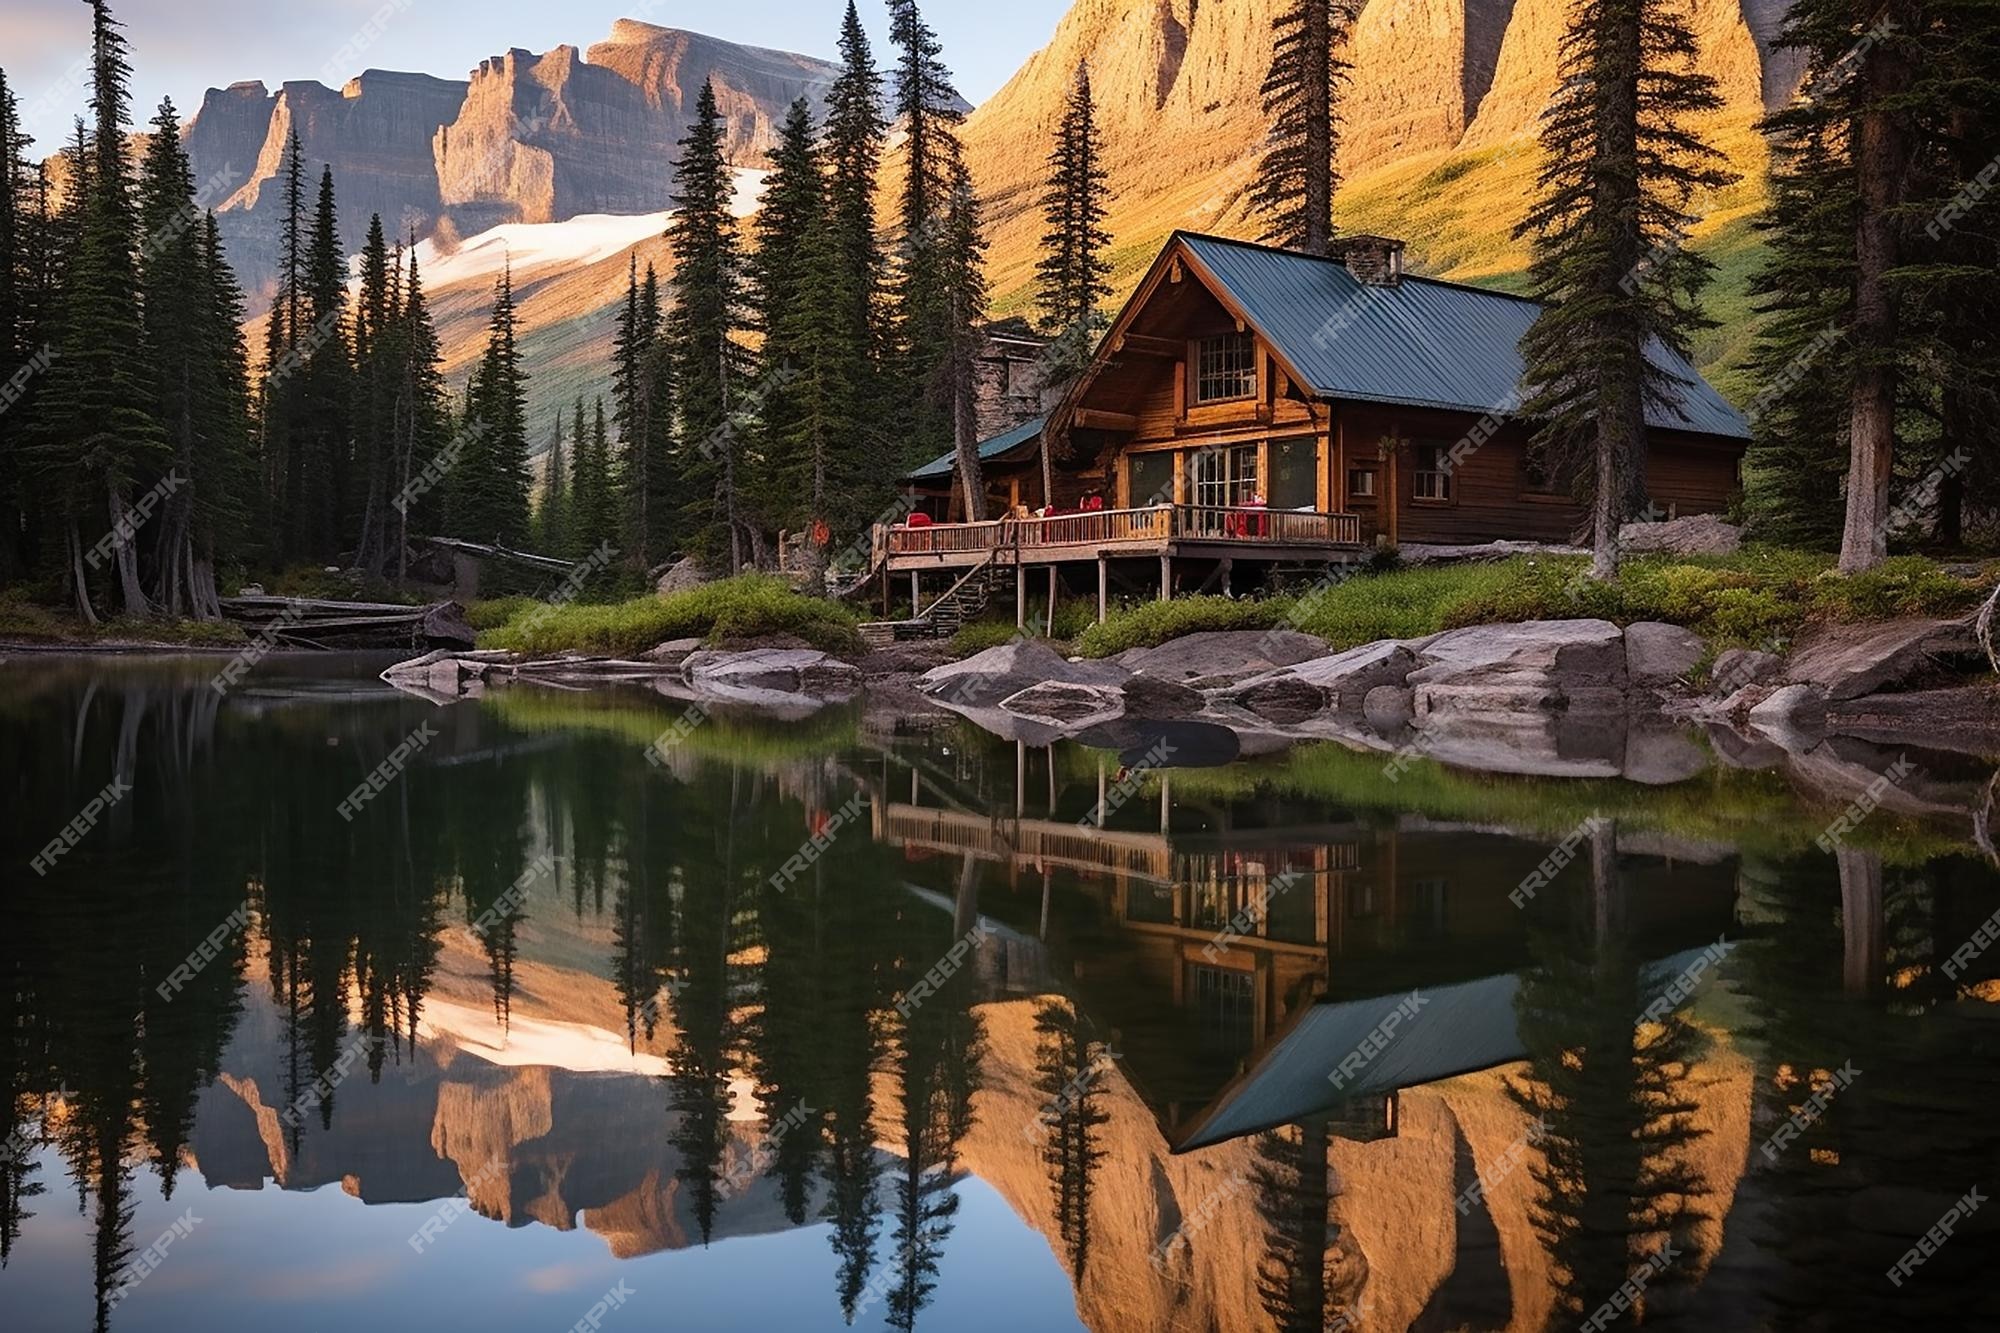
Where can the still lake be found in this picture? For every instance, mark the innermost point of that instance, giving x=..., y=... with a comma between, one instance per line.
x=840, y=1022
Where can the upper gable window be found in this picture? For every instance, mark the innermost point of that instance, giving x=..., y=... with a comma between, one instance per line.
x=1225, y=368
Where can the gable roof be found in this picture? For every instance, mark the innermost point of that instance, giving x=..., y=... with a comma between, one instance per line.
x=942, y=466
x=1421, y=343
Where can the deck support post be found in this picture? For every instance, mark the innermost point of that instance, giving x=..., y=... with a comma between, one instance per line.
x=1228, y=568
x=1103, y=588
x=1020, y=595
x=1052, y=601
x=916, y=594
x=1166, y=578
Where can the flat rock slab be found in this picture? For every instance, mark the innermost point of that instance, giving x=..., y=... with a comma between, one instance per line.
x=987, y=678
x=1966, y=719
x=1222, y=653
x=1061, y=703
x=1848, y=661
x=784, y=670
x=1338, y=681
x=1557, y=654
x=1657, y=654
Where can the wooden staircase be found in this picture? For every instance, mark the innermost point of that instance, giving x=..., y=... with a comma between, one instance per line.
x=964, y=602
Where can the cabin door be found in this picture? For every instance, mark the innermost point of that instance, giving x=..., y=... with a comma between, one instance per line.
x=1222, y=479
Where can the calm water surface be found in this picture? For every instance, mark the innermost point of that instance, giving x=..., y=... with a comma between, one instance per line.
x=823, y=1023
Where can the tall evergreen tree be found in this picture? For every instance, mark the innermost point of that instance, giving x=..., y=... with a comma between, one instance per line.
x=376, y=351
x=278, y=393
x=1296, y=180
x=228, y=488
x=422, y=418
x=938, y=298
x=489, y=491
x=552, y=511
x=95, y=433
x=706, y=361
x=643, y=476
x=1621, y=163
x=326, y=384
x=1074, y=272
x=17, y=347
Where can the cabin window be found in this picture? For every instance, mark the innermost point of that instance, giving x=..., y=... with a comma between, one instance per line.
x=1225, y=1005
x=1225, y=368
x=1295, y=473
x=1224, y=478
x=1432, y=478
x=1361, y=483
x=1149, y=480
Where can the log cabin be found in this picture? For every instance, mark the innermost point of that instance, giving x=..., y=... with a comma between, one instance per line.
x=1253, y=408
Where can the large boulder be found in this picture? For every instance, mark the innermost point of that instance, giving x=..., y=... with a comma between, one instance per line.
x=784, y=670
x=1153, y=697
x=1064, y=704
x=986, y=678
x=1737, y=667
x=1339, y=682
x=1848, y=661
x=1697, y=534
x=680, y=577
x=673, y=652
x=1791, y=715
x=1217, y=657
x=1575, y=666
x=1657, y=654
x=1965, y=719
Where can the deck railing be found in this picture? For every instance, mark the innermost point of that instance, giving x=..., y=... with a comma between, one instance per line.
x=1150, y=527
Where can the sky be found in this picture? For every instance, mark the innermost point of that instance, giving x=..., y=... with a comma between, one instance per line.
x=180, y=48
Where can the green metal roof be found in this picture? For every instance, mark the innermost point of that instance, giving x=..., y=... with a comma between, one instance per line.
x=1421, y=343
x=941, y=467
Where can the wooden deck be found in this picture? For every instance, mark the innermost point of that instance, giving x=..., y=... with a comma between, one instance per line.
x=1162, y=530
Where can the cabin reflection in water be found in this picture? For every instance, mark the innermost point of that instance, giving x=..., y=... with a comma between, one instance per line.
x=1241, y=949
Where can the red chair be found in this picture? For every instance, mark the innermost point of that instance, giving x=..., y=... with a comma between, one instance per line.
x=919, y=520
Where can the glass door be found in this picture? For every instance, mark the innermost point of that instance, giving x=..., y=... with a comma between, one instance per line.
x=1222, y=479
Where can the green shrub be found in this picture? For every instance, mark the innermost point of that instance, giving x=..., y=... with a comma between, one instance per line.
x=981, y=635
x=753, y=606
x=1409, y=603
x=492, y=613
x=1149, y=624
x=1074, y=619
x=1907, y=585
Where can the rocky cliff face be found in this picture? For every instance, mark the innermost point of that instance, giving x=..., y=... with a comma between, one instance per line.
x=526, y=138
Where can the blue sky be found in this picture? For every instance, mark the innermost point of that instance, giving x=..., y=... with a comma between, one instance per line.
x=182, y=47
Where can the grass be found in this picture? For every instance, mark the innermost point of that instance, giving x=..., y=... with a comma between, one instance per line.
x=25, y=621
x=1149, y=624
x=742, y=739
x=1758, y=597
x=751, y=607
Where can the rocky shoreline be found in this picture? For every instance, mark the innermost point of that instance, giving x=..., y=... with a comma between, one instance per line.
x=1562, y=698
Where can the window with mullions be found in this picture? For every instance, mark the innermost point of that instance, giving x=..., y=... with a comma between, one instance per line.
x=1432, y=480
x=1226, y=367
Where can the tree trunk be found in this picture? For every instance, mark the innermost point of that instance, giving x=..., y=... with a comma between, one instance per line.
x=1881, y=166
x=128, y=565
x=79, y=583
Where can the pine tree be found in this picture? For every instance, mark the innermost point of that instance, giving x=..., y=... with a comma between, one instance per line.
x=865, y=463
x=279, y=391
x=1620, y=167
x=489, y=492
x=706, y=362
x=421, y=418
x=17, y=331
x=1296, y=180
x=376, y=352
x=228, y=486
x=1074, y=273
x=642, y=493
x=936, y=310
x=552, y=512
x=324, y=430
x=95, y=434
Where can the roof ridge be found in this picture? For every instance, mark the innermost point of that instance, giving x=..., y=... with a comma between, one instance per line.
x=1329, y=259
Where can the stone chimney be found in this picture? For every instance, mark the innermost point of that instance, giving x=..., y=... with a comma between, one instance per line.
x=1375, y=261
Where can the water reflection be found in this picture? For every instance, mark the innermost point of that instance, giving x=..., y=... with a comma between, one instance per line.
x=1146, y=1016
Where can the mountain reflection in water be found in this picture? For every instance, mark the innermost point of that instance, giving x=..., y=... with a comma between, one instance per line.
x=819, y=1025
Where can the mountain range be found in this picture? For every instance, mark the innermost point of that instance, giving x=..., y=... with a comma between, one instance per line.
x=1436, y=148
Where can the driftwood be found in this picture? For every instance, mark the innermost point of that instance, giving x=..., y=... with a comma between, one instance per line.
x=311, y=622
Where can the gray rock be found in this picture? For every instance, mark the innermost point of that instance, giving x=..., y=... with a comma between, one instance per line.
x=680, y=577
x=1736, y=667
x=1660, y=758
x=1000, y=672
x=1065, y=704
x=1555, y=655
x=1966, y=719
x=673, y=652
x=1848, y=661
x=1339, y=681
x=251, y=590
x=1656, y=654
x=1794, y=712
x=783, y=670
x=1283, y=699
x=1697, y=534
x=1151, y=697
x=1388, y=709
x=1227, y=654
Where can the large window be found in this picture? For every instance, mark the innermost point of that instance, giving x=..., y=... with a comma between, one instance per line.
x=1224, y=478
x=1225, y=368
x=1432, y=479
x=1149, y=479
x=1295, y=473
